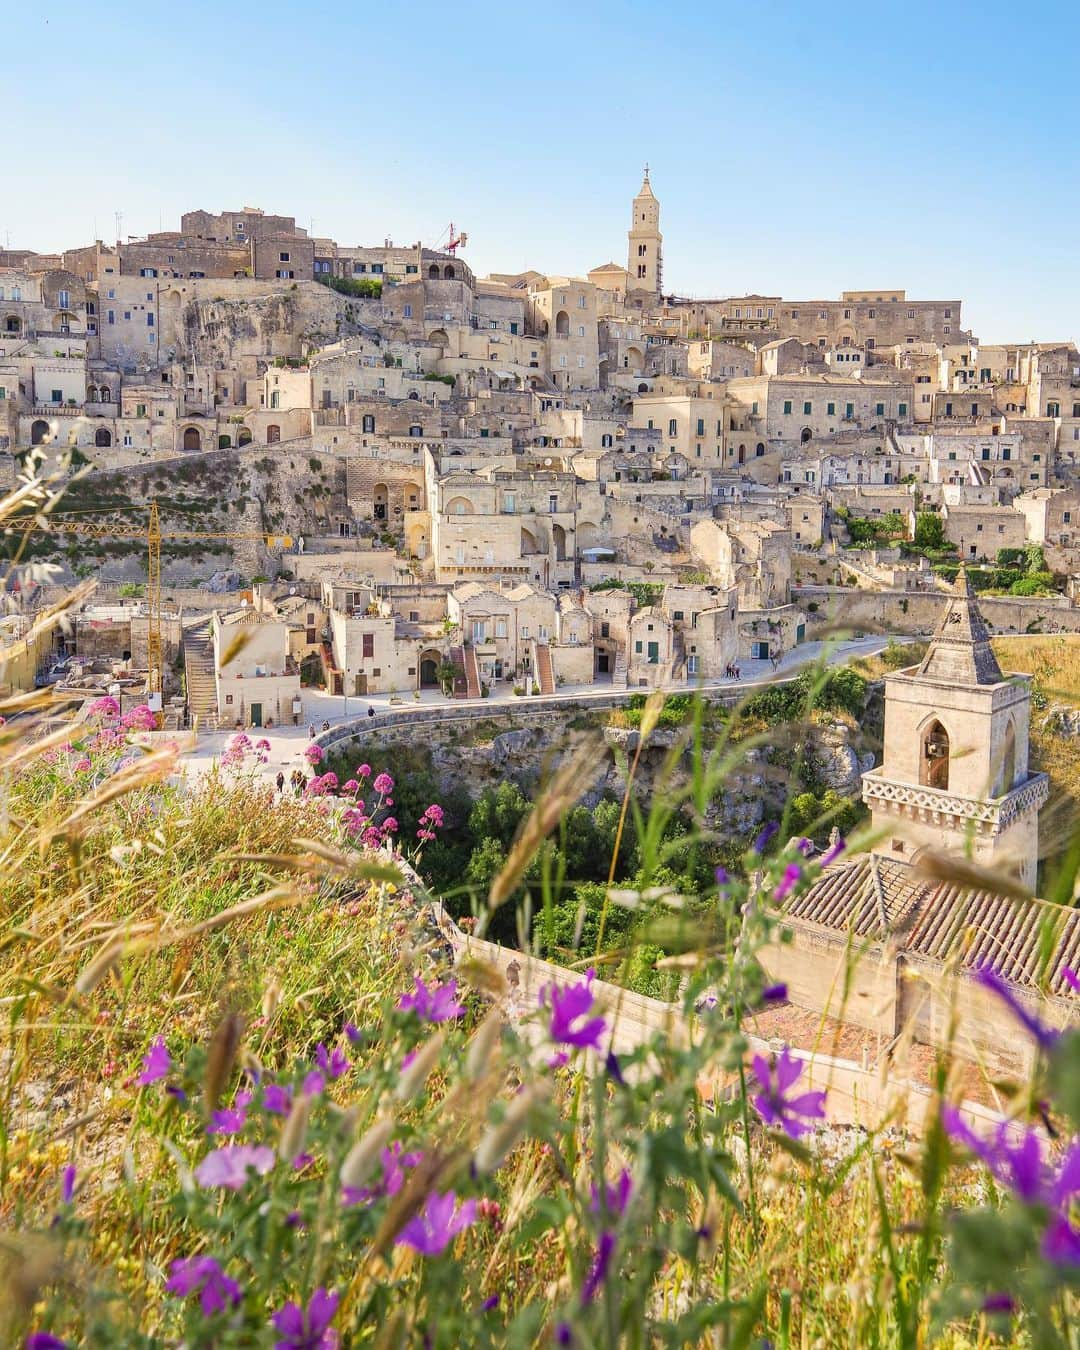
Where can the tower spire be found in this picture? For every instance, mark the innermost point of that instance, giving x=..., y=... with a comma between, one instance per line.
x=960, y=650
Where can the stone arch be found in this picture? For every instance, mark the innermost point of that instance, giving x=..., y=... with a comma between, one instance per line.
x=558, y=541
x=429, y=664
x=192, y=438
x=635, y=359
x=417, y=538
x=562, y=324
x=460, y=506
x=273, y=434
x=759, y=449
x=13, y=324
x=448, y=272
x=414, y=396
x=438, y=337
x=806, y=435
x=102, y=437
x=224, y=441
x=39, y=432
x=587, y=535
x=243, y=436
x=433, y=272
x=91, y=393
x=528, y=541
x=643, y=388
x=934, y=755
x=380, y=496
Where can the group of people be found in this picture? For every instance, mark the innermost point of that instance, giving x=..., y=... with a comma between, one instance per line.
x=731, y=671
x=297, y=780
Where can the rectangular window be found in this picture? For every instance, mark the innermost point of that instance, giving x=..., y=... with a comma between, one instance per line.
x=701, y=426
x=787, y=406
x=901, y=409
x=140, y=409
x=407, y=311
x=879, y=409
x=149, y=321
x=369, y=645
x=830, y=409
x=807, y=409
x=283, y=257
x=849, y=410
x=673, y=427
x=377, y=268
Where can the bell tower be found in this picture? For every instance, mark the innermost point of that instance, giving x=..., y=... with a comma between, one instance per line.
x=645, y=259
x=954, y=774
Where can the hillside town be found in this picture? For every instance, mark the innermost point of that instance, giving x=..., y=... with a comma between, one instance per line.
x=396, y=476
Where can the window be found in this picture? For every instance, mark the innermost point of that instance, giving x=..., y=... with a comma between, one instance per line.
x=1053, y=410
x=807, y=409
x=871, y=314
x=410, y=268
x=901, y=410
x=369, y=646
x=673, y=427
x=57, y=396
x=948, y=315
x=377, y=268
x=359, y=267
x=879, y=409
x=407, y=312
x=849, y=410
x=149, y=321
x=500, y=628
x=127, y=438
x=948, y=409
x=283, y=257
x=753, y=410
x=508, y=503
x=787, y=406
x=65, y=299
x=367, y=423
x=581, y=363
x=525, y=630
x=946, y=329
x=140, y=409
x=553, y=501
x=1066, y=517
x=911, y=313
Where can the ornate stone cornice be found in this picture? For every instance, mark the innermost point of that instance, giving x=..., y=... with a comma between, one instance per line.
x=991, y=815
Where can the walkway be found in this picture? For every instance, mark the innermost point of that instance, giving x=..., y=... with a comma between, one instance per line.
x=287, y=744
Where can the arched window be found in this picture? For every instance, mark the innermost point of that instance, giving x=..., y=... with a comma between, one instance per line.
x=433, y=271
x=39, y=433
x=934, y=760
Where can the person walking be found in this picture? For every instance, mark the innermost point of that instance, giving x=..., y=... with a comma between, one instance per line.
x=280, y=780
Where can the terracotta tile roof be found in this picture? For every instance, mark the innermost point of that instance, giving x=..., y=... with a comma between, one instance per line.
x=1026, y=941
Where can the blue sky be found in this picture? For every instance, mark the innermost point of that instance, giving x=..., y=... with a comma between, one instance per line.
x=797, y=149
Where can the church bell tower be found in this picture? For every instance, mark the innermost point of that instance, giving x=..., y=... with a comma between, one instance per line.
x=645, y=260
x=954, y=774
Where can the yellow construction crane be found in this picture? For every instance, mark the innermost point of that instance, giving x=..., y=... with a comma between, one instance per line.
x=76, y=523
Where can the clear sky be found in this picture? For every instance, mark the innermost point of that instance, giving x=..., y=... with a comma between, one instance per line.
x=797, y=149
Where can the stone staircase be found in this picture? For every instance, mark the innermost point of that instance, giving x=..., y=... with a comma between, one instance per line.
x=543, y=669
x=199, y=678
x=472, y=674
x=461, y=683
x=620, y=676
x=678, y=656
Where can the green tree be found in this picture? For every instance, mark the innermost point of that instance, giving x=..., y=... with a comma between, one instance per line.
x=929, y=530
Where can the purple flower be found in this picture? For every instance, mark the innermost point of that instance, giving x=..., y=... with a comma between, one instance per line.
x=563, y=1334
x=354, y=1033
x=569, y=1009
x=394, y=1162
x=44, y=1340
x=489, y=1303
x=805, y=847
x=432, y=1230
x=605, y=1249
x=613, y=1069
x=990, y=979
x=67, y=1185
x=1071, y=979
x=156, y=1063
x=762, y=841
x=773, y=1104
x=277, y=1099
x=788, y=882
x=307, y=1328
x=202, y=1273
x=437, y=1004
x=615, y=1197
x=313, y=1084
x=333, y=1063
x=231, y=1119
x=833, y=852
x=1016, y=1165
x=722, y=877
x=231, y=1165
x=1061, y=1242
x=998, y=1303
x=774, y=993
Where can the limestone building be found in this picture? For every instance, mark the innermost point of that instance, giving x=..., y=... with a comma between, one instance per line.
x=645, y=262
x=955, y=764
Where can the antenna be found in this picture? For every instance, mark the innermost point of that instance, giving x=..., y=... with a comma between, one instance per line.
x=118, y=216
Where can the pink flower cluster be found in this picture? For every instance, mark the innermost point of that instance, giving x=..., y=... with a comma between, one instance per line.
x=313, y=754
x=321, y=785
x=106, y=706
x=430, y=821
x=140, y=718
x=240, y=749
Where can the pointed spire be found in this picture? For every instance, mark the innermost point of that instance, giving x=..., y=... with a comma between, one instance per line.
x=960, y=651
x=646, y=186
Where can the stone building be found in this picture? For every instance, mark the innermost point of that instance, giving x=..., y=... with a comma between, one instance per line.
x=645, y=259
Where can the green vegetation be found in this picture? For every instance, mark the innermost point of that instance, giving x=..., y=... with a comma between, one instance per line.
x=874, y=531
x=360, y=288
x=929, y=532
x=645, y=593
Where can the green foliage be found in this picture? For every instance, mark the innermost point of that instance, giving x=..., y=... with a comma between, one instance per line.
x=836, y=690
x=929, y=531
x=360, y=288
x=871, y=531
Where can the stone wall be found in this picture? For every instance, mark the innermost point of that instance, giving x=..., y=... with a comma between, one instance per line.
x=917, y=612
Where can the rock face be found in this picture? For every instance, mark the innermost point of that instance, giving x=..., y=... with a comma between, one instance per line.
x=835, y=760
x=1062, y=720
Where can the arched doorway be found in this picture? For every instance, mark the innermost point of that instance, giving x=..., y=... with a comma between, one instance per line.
x=433, y=271
x=1008, y=760
x=12, y=324
x=759, y=449
x=273, y=434
x=742, y=454
x=39, y=433
x=429, y=669
x=934, y=759
x=558, y=539
x=438, y=337
x=381, y=498
x=562, y=324
x=448, y=273
x=528, y=542
x=102, y=437
x=807, y=435
x=224, y=441
x=243, y=436
x=192, y=439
